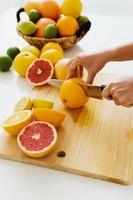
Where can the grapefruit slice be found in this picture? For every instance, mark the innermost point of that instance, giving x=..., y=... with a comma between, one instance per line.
x=16, y=122
x=37, y=139
x=39, y=72
x=55, y=117
x=23, y=104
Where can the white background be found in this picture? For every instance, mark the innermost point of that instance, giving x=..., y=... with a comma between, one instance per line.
x=112, y=25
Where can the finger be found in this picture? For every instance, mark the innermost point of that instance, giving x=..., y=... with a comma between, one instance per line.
x=90, y=77
x=106, y=93
x=71, y=69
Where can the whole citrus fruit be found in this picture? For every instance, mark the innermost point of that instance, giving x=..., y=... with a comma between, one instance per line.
x=30, y=5
x=50, y=31
x=32, y=49
x=52, y=45
x=41, y=24
x=22, y=62
x=52, y=55
x=69, y=8
x=61, y=68
x=37, y=139
x=17, y=121
x=67, y=26
x=13, y=52
x=5, y=63
x=72, y=95
x=34, y=15
x=27, y=27
x=50, y=9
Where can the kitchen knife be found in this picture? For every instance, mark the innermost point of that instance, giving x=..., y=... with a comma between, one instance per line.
x=90, y=90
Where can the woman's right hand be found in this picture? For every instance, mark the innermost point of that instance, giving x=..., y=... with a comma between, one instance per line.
x=92, y=63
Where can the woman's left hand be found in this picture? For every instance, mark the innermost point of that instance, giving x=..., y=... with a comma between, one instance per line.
x=121, y=92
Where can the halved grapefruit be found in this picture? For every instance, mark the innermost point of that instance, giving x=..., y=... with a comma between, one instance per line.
x=39, y=72
x=37, y=139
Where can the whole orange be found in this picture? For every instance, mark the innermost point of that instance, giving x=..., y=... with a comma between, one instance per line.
x=50, y=9
x=30, y=5
x=67, y=26
x=41, y=24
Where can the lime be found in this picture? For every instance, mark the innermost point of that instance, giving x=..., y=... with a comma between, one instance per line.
x=50, y=31
x=5, y=63
x=32, y=49
x=23, y=104
x=34, y=16
x=13, y=52
x=82, y=20
x=27, y=27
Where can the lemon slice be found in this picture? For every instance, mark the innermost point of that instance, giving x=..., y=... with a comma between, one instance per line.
x=42, y=103
x=23, y=104
x=17, y=121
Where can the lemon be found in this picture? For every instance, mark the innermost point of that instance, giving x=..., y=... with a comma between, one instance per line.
x=52, y=55
x=52, y=45
x=23, y=104
x=69, y=8
x=42, y=103
x=32, y=49
x=16, y=122
x=22, y=61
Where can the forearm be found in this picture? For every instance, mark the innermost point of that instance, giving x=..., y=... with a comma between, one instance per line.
x=122, y=53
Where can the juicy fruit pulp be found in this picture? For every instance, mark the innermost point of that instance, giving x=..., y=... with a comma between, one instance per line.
x=39, y=72
x=55, y=117
x=27, y=27
x=52, y=45
x=23, y=104
x=17, y=121
x=22, y=62
x=5, y=63
x=72, y=95
x=61, y=68
x=37, y=139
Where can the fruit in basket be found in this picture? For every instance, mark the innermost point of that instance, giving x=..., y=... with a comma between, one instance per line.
x=22, y=62
x=52, y=55
x=50, y=9
x=27, y=27
x=16, y=122
x=82, y=20
x=72, y=95
x=37, y=139
x=24, y=103
x=50, y=31
x=71, y=8
x=39, y=72
x=52, y=45
x=5, y=63
x=42, y=103
x=61, y=68
x=67, y=26
x=32, y=49
x=55, y=117
x=13, y=52
x=30, y=5
x=34, y=15
x=41, y=24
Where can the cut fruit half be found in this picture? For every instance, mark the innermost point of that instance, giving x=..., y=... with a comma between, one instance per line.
x=23, y=104
x=16, y=122
x=39, y=72
x=42, y=103
x=55, y=117
x=37, y=139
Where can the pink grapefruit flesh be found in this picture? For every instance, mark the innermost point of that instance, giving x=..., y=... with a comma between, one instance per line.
x=39, y=72
x=37, y=139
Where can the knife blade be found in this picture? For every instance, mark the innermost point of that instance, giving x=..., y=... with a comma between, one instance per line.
x=93, y=91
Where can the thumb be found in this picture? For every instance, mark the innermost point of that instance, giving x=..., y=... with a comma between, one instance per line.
x=90, y=77
x=72, y=65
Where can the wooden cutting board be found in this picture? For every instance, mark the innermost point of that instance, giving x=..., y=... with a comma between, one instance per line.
x=97, y=140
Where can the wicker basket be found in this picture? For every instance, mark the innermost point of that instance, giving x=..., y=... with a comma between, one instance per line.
x=65, y=42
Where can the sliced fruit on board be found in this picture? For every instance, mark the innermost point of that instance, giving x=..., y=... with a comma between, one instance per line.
x=37, y=139
x=16, y=122
x=39, y=72
x=55, y=117
x=42, y=103
x=23, y=104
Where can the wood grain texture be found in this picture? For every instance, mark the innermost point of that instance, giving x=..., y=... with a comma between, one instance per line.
x=97, y=140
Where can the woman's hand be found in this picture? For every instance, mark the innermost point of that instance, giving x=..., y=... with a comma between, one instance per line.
x=121, y=92
x=92, y=63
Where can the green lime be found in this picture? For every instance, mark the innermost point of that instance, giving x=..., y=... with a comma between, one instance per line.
x=51, y=31
x=27, y=27
x=5, y=63
x=34, y=16
x=13, y=52
x=82, y=20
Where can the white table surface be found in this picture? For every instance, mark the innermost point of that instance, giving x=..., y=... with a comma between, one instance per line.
x=23, y=181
